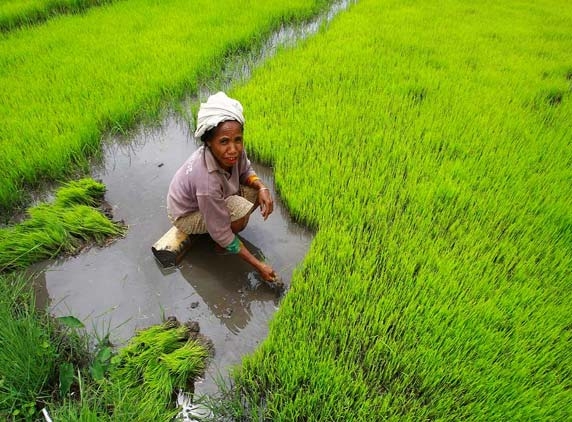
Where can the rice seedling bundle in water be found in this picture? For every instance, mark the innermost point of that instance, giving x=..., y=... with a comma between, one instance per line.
x=430, y=147
x=59, y=227
x=68, y=81
x=157, y=362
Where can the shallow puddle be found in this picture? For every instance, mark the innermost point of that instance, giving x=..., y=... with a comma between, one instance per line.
x=121, y=288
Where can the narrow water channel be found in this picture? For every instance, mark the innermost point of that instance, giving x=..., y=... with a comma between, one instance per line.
x=121, y=288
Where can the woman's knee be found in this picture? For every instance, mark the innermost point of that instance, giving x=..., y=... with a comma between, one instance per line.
x=240, y=224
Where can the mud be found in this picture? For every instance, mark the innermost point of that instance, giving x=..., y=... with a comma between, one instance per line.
x=122, y=288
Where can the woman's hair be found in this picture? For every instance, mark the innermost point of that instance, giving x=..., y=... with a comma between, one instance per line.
x=208, y=135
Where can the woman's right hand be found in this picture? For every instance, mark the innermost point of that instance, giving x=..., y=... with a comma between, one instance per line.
x=265, y=270
x=267, y=273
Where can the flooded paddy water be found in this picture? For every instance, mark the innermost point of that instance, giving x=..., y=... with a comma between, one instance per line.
x=121, y=288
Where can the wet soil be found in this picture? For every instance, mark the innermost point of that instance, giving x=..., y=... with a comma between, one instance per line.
x=121, y=288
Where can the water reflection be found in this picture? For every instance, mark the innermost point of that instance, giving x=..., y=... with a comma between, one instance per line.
x=225, y=283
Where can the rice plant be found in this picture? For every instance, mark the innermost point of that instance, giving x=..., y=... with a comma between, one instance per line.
x=155, y=364
x=429, y=145
x=17, y=13
x=59, y=227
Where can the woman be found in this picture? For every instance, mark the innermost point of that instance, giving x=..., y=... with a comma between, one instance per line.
x=216, y=189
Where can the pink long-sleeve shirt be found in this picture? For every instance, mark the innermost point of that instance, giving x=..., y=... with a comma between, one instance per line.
x=201, y=184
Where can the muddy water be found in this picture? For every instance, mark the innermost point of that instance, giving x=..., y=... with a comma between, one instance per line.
x=121, y=288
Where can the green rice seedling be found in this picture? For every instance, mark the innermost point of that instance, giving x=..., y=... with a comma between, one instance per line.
x=60, y=227
x=84, y=192
x=69, y=81
x=17, y=13
x=429, y=146
x=156, y=363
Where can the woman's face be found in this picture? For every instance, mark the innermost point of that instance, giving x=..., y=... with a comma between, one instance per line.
x=226, y=143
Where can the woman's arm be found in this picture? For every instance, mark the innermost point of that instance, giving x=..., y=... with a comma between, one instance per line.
x=265, y=270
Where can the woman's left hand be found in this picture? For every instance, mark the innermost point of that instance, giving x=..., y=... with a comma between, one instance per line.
x=266, y=202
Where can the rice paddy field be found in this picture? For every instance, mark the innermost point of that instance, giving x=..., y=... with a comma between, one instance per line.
x=430, y=147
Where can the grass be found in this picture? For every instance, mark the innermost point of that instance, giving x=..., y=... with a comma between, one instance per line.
x=17, y=13
x=136, y=383
x=28, y=356
x=430, y=147
x=67, y=82
x=34, y=348
x=62, y=226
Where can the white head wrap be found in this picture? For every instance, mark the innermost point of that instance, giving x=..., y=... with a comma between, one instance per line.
x=218, y=108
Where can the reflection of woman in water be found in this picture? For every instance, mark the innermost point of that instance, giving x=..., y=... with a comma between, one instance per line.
x=216, y=189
